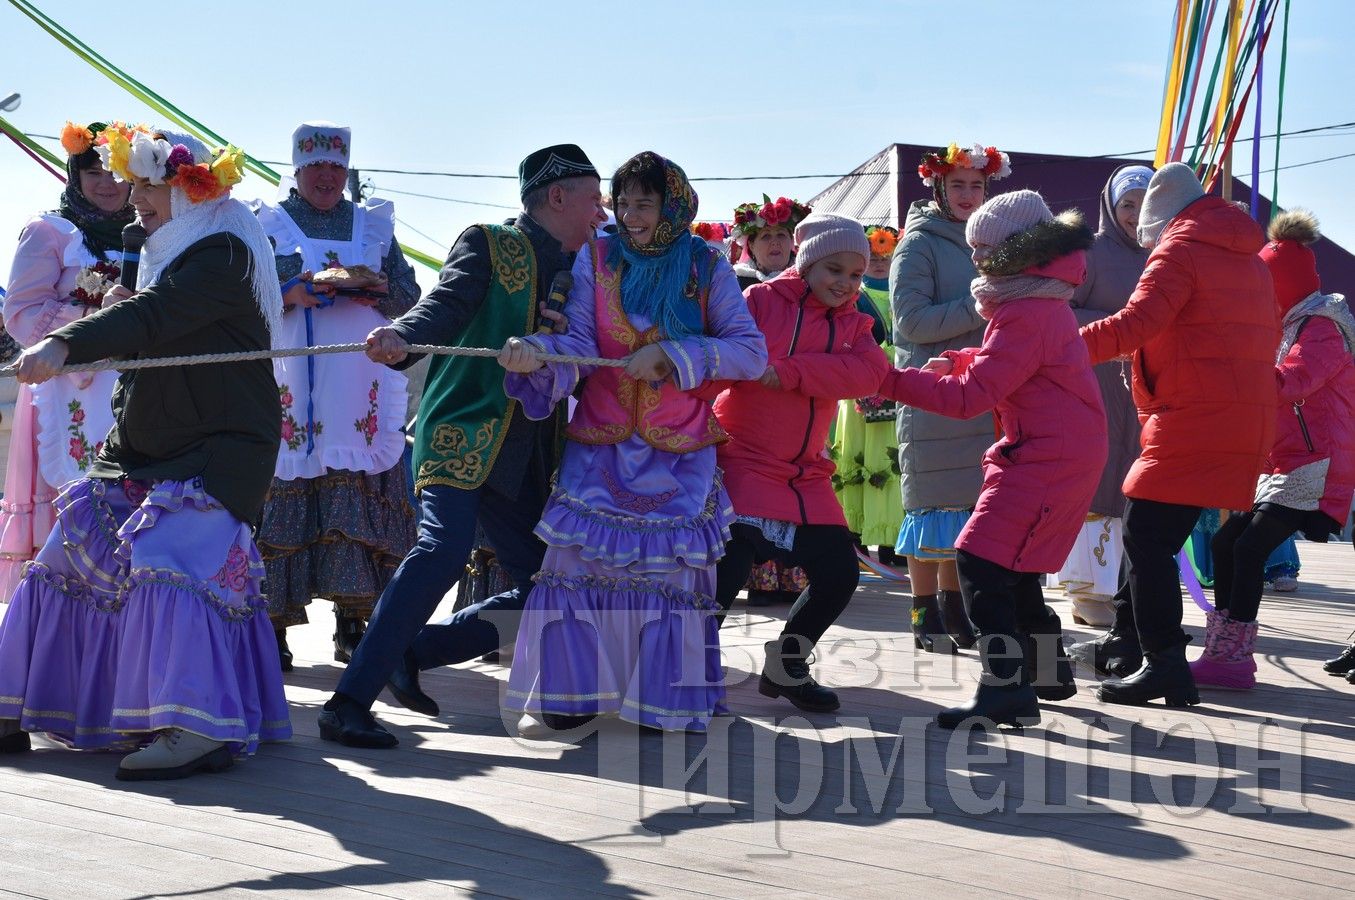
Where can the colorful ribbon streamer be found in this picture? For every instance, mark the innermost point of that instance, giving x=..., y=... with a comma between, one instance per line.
x=40, y=154
x=1192, y=581
x=158, y=103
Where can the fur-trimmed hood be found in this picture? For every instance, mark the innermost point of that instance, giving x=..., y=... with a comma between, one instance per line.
x=1038, y=246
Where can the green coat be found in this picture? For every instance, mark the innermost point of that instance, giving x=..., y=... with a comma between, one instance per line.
x=221, y=422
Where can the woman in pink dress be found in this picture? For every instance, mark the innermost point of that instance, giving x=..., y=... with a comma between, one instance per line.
x=65, y=261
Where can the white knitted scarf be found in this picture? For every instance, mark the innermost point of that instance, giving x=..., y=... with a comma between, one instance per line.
x=191, y=222
x=1329, y=306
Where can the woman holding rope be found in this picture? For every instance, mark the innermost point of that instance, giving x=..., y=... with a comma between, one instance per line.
x=141, y=623
x=65, y=262
x=622, y=618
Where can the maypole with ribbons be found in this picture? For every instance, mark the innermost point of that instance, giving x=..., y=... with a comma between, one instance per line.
x=1239, y=32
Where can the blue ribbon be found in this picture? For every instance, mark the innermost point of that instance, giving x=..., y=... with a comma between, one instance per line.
x=310, y=385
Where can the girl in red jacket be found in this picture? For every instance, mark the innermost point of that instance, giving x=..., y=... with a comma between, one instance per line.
x=1309, y=477
x=1039, y=478
x=820, y=350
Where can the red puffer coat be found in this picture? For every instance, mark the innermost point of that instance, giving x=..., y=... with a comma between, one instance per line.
x=1318, y=374
x=1038, y=479
x=1202, y=328
x=776, y=462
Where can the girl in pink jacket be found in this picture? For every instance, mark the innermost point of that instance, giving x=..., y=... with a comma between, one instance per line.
x=1309, y=476
x=1039, y=478
x=820, y=350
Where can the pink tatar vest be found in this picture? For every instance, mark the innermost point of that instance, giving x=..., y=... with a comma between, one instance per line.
x=614, y=406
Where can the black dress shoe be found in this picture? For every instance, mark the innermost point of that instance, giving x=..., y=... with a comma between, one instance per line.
x=1014, y=705
x=1165, y=675
x=348, y=630
x=343, y=720
x=404, y=686
x=15, y=742
x=284, y=652
x=1343, y=664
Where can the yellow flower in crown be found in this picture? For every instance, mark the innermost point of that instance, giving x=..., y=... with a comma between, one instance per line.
x=229, y=165
x=116, y=150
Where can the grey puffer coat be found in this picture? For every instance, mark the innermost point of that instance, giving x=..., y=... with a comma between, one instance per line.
x=939, y=457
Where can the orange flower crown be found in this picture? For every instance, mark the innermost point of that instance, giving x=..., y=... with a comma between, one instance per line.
x=76, y=139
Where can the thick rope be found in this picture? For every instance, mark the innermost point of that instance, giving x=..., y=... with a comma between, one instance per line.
x=104, y=365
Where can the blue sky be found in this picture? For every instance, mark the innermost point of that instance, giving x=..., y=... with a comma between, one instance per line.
x=721, y=89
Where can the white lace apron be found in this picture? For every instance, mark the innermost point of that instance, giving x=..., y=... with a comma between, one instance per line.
x=75, y=412
x=340, y=411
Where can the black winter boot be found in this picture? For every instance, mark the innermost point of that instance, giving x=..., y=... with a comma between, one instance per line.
x=786, y=674
x=1004, y=696
x=956, y=619
x=1049, y=666
x=1164, y=675
x=929, y=631
x=1343, y=664
x=348, y=630
x=1114, y=654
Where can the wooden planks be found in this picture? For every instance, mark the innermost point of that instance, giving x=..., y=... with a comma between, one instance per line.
x=461, y=808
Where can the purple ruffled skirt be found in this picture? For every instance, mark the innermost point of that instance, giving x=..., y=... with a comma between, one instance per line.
x=622, y=620
x=142, y=612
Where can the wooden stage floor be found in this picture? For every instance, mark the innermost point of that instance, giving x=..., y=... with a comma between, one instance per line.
x=1248, y=795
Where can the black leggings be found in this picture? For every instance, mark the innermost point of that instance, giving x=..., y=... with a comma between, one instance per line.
x=1241, y=547
x=827, y=553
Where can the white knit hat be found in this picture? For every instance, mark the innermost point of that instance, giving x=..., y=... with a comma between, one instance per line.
x=1005, y=215
x=1171, y=189
x=320, y=141
x=823, y=234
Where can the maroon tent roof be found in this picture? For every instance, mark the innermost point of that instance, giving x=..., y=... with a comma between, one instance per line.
x=879, y=191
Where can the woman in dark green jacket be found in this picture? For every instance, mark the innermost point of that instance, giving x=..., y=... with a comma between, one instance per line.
x=141, y=622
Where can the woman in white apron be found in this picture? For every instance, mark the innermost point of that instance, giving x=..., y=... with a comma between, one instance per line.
x=338, y=519
x=65, y=261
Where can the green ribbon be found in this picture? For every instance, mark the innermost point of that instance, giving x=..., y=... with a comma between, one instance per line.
x=158, y=103
x=1279, y=112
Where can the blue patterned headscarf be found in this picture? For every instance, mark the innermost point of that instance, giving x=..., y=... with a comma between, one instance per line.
x=663, y=280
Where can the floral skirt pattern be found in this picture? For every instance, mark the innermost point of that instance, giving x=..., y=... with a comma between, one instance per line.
x=338, y=537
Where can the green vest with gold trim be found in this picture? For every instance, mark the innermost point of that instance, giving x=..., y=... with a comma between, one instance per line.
x=464, y=414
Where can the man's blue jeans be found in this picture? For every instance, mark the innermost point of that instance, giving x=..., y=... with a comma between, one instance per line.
x=438, y=560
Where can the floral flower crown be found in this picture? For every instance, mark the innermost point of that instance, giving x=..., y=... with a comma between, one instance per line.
x=883, y=239
x=992, y=162
x=750, y=218
x=76, y=139
x=133, y=152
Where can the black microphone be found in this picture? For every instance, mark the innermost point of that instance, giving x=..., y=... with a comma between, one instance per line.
x=133, y=237
x=559, y=293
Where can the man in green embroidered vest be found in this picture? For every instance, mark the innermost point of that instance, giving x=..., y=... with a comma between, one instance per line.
x=476, y=457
